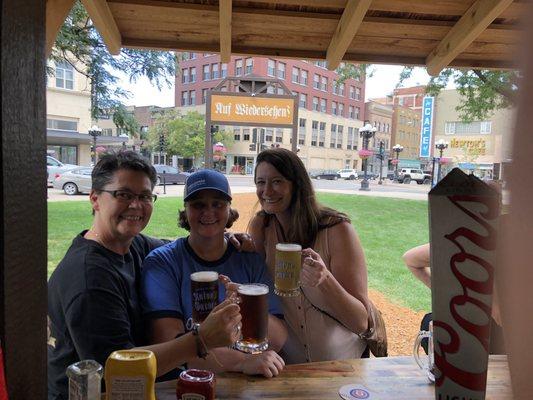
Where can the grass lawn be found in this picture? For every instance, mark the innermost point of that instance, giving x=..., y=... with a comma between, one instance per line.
x=387, y=228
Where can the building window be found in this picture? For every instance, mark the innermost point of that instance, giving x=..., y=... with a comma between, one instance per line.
x=341, y=89
x=349, y=141
x=224, y=70
x=316, y=81
x=64, y=75
x=303, y=77
x=322, y=134
x=340, y=132
x=281, y=70
x=324, y=84
x=271, y=68
x=237, y=133
x=303, y=100
x=184, y=98
x=341, y=109
x=315, y=103
x=333, y=136
x=301, y=131
x=334, y=108
x=314, y=133
x=205, y=75
x=352, y=92
x=107, y=132
x=249, y=66
x=192, y=75
x=468, y=128
x=357, y=93
x=192, y=97
x=204, y=96
x=271, y=90
x=62, y=125
x=238, y=67
x=192, y=56
x=323, y=105
x=214, y=71
x=357, y=112
x=246, y=134
x=185, y=75
x=279, y=135
x=280, y=90
x=295, y=75
x=269, y=133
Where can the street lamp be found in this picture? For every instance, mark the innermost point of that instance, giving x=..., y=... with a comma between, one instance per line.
x=397, y=148
x=441, y=145
x=94, y=131
x=381, y=155
x=366, y=132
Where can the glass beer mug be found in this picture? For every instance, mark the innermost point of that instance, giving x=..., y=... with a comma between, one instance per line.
x=427, y=365
x=254, y=311
x=287, y=269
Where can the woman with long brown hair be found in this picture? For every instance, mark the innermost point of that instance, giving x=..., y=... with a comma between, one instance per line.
x=325, y=322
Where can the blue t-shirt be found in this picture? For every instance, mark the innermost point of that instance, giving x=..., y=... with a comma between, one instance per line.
x=166, y=283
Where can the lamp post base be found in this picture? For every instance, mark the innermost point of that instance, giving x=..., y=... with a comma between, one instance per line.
x=365, y=185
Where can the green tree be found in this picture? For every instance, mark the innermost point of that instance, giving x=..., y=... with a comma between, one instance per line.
x=79, y=43
x=125, y=120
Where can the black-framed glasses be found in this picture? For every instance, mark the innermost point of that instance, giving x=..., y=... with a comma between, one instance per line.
x=126, y=196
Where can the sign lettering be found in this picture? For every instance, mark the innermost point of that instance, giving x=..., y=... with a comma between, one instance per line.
x=427, y=126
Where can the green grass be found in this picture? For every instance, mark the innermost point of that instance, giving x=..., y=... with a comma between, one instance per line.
x=387, y=228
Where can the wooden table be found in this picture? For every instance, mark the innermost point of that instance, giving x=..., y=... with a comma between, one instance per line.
x=395, y=378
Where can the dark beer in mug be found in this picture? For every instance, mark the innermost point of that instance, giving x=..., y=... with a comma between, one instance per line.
x=204, y=294
x=287, y=269
x=254, y=311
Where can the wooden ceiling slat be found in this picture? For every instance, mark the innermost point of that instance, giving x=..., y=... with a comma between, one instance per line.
x=225, y=29
x=103, y=20
x=349, y=23
x=478, y=17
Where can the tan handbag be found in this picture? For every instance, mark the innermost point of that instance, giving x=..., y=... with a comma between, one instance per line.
x=376, y=335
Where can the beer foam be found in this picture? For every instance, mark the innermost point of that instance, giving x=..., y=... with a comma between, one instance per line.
x=288, y=247
x=204, y=276
x=253, y=290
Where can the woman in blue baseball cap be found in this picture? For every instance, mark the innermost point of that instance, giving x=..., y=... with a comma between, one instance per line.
x=166, y=283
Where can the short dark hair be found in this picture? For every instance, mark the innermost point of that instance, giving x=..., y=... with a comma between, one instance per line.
x=184, y=223
x=111, y=162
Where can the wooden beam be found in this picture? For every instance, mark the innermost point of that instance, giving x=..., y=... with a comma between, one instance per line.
x=56, y=13
x=350, y=21
x=105, y=23
x=225, y=30
x=478, y=17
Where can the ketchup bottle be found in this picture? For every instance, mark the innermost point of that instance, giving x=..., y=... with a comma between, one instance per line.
x=196, y=384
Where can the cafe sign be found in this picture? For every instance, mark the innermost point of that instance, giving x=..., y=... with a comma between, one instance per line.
x=235, y=109
x=478, y=145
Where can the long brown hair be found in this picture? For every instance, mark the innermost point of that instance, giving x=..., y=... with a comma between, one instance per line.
x=307, y=215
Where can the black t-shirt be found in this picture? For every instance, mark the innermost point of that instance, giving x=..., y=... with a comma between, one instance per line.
x=93, y=306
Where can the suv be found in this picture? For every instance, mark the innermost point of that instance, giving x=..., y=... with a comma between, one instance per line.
x=347, y=173
x=406, y=175
x=55, y=167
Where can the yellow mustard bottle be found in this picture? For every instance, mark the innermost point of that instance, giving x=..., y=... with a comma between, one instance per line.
x=130, y=374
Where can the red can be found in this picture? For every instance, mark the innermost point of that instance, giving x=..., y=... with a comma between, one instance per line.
x=196, y=384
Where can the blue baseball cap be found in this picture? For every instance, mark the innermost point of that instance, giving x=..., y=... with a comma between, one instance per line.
x=206, y=179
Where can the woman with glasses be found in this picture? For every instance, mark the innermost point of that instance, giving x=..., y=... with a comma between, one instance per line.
x=93, y=299
x=166, y=283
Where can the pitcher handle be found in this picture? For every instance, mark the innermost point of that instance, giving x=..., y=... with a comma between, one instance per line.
x=421, y=335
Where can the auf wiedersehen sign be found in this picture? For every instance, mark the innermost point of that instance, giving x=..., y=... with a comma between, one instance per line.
x=246, y=109
x=427, y=126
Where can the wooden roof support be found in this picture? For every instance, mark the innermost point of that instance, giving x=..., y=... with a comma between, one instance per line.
x=350, y=21
x=56, y=13
x=225, y=30
x=478, y=17
x=105, y=23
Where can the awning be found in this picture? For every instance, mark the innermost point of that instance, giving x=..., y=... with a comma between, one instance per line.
x=70, y=138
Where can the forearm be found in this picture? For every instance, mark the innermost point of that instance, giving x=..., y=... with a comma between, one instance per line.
x=348, y=309
x=277, y=333
x=173, y=353
x=220, y=360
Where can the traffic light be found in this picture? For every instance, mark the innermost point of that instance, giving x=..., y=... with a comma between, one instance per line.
x=214, y=129
x=162, y=141
x=252, y=147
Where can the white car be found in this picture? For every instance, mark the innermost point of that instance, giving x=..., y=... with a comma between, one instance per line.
x=75, y=181
x=347, y=173
x=54, y=167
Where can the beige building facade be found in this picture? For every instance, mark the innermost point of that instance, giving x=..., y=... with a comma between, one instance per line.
x=480, y=147
x=406, y=131
x=380, y=117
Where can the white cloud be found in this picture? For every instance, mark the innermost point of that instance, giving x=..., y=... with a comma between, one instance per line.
x=145, y=94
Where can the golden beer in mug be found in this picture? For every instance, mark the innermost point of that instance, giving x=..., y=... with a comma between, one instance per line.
x=287, y=269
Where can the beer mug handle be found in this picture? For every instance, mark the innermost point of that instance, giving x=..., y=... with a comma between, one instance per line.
x=421, y=335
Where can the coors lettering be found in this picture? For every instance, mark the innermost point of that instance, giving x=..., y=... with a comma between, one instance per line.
x=463, y=218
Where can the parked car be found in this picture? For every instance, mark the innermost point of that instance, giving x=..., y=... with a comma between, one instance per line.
x=330, y=175
x=406, y=175
x=347, y=173
x=369, y=175
x=54, y=167
x=172, y=175
x=74, y=181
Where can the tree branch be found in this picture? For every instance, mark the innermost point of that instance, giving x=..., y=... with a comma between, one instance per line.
x=508, y=94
